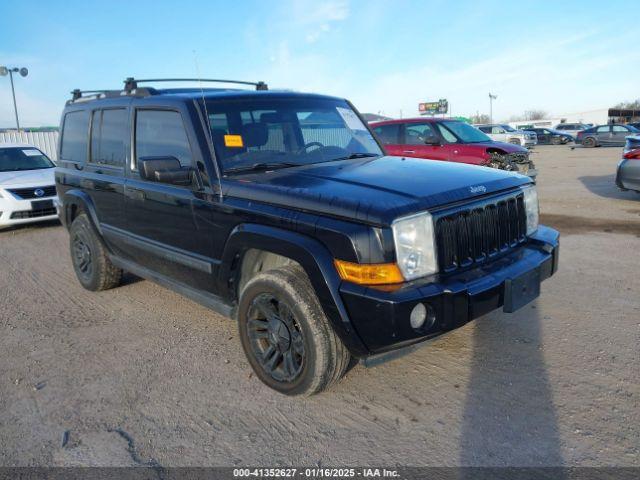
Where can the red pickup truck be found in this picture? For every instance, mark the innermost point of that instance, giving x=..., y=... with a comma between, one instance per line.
x=450, y=140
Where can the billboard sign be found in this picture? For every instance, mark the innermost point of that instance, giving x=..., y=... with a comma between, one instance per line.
x=431, y=108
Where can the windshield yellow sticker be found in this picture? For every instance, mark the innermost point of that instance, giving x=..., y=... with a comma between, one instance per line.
x=233, y=141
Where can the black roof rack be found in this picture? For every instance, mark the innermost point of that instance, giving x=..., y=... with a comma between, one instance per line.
x=131, y=83
x=77, y=93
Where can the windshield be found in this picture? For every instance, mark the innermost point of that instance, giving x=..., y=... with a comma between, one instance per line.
x=508, y=128
x=16, y=159
x=284, y=132
x=465, y=132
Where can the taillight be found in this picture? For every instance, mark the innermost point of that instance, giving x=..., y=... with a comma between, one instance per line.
x=632, y=154
x=580, y=134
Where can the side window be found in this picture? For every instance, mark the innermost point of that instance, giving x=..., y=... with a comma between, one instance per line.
x=109, y=132
x=603, y=129
x=497, y=130
x=75, y=136
x=417, y=133
x=485, y=129
x=388, y=134
x=620, y=128
x=161, y=133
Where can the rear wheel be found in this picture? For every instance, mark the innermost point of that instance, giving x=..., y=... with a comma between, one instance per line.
x=286, y=336
x=589, y=142
x=90, y=261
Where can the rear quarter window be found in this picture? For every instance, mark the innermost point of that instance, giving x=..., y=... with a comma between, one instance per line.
x=75, y=136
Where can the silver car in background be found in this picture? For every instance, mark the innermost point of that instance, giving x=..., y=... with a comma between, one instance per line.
x=628, y=174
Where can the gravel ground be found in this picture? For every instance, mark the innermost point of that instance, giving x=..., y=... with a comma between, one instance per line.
x=141, y=376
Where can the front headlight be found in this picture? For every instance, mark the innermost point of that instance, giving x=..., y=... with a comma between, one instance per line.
x=531, y=208
x=415, y=245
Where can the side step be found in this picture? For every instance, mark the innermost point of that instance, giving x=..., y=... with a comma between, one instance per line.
x=205, y=299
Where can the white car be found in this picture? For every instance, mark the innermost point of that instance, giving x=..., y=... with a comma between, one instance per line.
x=27, y=185
x=508, y=134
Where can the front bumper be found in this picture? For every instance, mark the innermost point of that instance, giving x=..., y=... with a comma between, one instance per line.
x=381, y=315
x=14, y=211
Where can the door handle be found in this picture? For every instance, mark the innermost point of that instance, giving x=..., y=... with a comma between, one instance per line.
x=135, y=193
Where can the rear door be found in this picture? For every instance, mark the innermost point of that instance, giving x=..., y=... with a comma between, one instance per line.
x=389, y=136
x=169, y=227
x=544, y=135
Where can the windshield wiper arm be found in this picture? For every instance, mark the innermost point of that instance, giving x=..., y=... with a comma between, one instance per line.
x=356, y=155
x=262, y=166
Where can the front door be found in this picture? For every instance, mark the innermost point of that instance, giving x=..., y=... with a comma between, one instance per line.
x=422, y=141
x=169, y=227
x=603, y=134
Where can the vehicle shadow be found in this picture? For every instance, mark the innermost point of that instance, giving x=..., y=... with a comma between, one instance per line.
x=26, y=227
x=605, y=186
x=509, y=415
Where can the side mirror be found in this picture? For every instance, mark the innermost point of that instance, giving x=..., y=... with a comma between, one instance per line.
x=165, y=170
x=432, y=140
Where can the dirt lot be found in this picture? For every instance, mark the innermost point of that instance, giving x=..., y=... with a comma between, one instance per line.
x=139, y=375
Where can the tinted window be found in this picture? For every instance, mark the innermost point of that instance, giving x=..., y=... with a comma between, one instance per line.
x=417, y=133
x=388, y=134
x=161, y=133
x=109, y=131
x=75, y=133
x=485, y=129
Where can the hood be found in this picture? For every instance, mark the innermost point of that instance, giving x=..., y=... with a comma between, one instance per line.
x=374, y=191
x=507, y=147
x=27, y=178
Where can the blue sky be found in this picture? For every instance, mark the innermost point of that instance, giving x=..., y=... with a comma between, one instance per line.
x=385, y=56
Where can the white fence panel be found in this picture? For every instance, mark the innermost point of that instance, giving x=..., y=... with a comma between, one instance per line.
x=45, y=141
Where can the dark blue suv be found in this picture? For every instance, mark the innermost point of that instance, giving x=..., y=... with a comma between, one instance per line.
x=280, y=210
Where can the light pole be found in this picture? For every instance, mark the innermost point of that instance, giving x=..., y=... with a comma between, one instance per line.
x=23, y=73
x=491, y=99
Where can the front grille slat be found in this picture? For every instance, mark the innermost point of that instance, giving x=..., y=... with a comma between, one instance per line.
x=472, y=235
x=44, y=212
x=30, y=193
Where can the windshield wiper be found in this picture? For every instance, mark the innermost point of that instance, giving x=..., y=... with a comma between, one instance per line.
x=261, y=167
x=356, y=155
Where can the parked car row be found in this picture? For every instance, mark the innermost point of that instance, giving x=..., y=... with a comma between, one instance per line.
x=606, y=135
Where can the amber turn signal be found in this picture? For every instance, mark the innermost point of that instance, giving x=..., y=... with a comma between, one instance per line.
x=369, y=273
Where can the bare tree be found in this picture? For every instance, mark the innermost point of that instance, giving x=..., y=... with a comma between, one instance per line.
x=535, y=114
x=635, y=105
x=480, y=118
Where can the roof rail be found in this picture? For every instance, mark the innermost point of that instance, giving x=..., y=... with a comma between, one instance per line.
x=131, y=83
x=77, y=93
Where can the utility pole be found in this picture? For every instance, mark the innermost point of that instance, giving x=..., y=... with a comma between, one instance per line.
x=23, y=73
x=491, y=99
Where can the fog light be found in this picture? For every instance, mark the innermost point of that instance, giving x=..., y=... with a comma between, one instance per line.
x=422, y=317
x=418, y=316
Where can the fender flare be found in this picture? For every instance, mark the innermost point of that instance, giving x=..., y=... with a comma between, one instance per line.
x=314, y=258
x=79, y=199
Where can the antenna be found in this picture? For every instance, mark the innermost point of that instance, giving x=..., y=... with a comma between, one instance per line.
x=207, y=125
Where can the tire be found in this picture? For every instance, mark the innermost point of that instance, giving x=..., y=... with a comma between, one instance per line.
x=93, y=268
x=589, y=142
x=556, y=140
x=296, y=352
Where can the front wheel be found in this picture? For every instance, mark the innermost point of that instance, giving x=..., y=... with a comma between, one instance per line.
x=285, y=335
